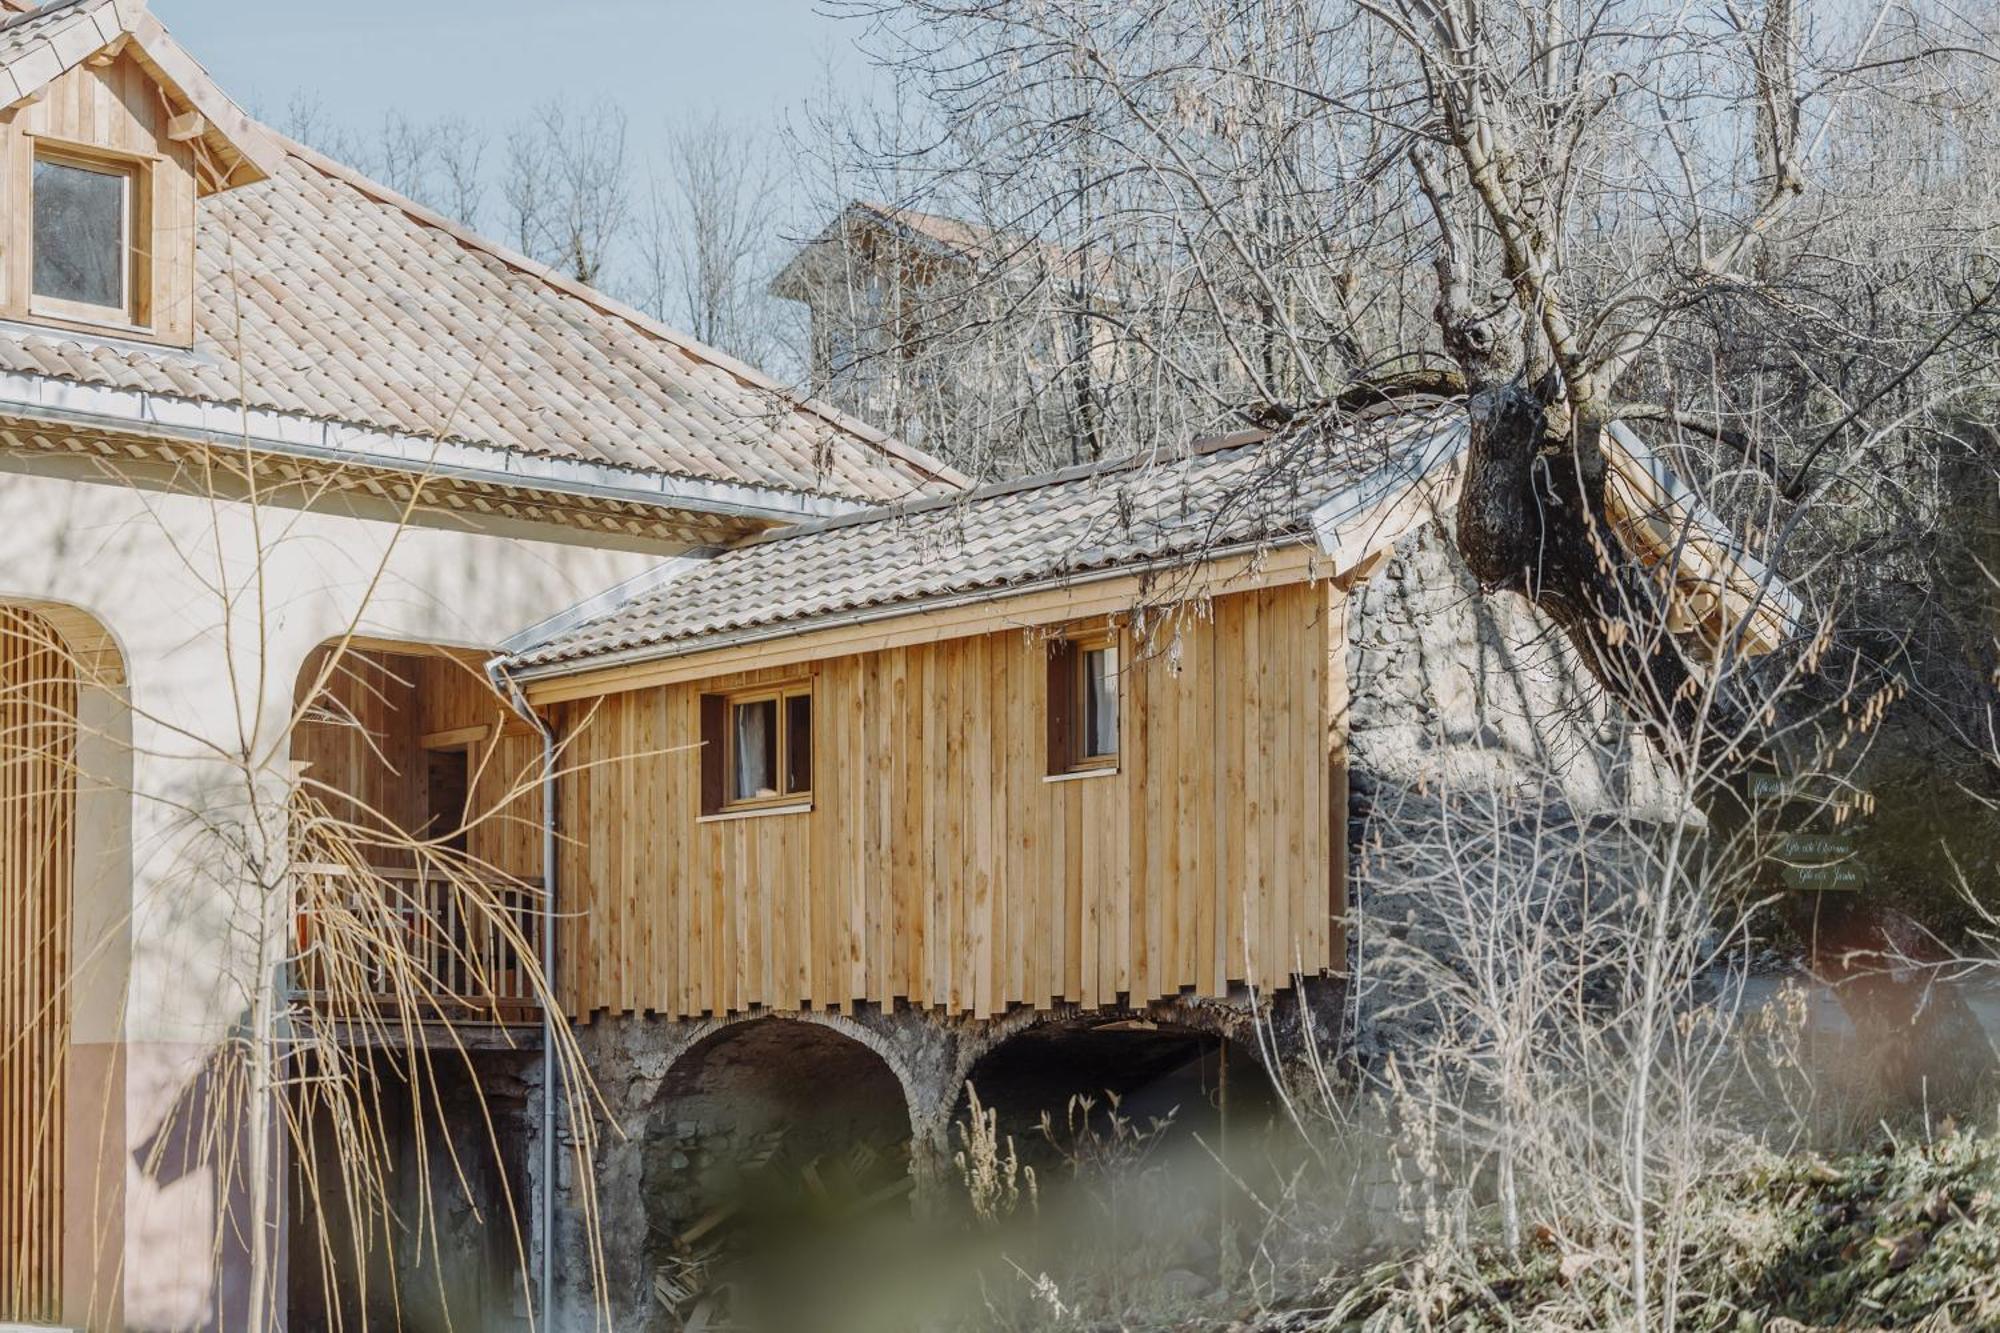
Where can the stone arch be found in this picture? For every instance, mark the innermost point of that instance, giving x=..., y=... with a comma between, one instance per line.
x=737, y=1136
x=66, y=718
x=889, y=1044
x=1178, y=1062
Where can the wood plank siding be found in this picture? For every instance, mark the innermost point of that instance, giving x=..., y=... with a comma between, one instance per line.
x=937, y=864
x=38, y=700
x=363, y=739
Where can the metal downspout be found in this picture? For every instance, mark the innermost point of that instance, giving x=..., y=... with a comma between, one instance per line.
x=504, y=684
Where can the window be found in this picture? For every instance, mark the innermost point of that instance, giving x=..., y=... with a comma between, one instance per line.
x=757, y=748
x=1100, y=702
x=83, y=260
x=1083, y=705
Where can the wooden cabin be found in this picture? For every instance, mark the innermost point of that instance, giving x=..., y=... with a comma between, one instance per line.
x=1073, y=739
x=1030, y=807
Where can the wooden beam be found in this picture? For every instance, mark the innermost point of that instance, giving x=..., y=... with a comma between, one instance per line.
x=187, y=125
x=452, y=739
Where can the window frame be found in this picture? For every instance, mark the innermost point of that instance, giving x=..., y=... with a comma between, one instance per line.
x=134, y=315
x=780, y=696
x=1069, y=673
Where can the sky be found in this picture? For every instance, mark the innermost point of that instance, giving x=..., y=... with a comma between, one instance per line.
x=490, y=61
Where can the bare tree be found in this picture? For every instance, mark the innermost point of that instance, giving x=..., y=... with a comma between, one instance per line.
x=704, y=241
x=1766, y=244
x=438, y=163
x=567, y=187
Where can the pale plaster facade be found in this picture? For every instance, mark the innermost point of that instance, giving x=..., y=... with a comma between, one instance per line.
x=163, y=933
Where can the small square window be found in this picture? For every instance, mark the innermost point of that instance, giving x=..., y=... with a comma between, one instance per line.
x=83, y=239
x=757, y=747
x=1083, y=704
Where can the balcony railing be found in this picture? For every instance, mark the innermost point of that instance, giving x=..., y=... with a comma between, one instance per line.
x=419, y=944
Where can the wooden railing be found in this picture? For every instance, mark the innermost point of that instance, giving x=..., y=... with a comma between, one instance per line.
x=419, y=944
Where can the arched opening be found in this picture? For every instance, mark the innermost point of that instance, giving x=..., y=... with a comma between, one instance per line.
x=1146, y=1143
x=65, y=912
x=771, y=1147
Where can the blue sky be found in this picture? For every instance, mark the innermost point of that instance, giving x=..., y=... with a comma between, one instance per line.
x=490, y=60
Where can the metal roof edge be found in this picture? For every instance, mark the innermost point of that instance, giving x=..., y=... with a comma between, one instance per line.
x=1367, y=495
x=1788, y=603
x=603, y=603
x=76, y=405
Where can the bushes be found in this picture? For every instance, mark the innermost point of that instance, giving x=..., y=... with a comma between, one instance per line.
x=1906, y=1236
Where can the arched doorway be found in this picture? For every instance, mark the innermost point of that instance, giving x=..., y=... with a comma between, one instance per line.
x=772, y=1146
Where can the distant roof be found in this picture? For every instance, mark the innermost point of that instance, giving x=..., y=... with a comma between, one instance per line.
x=1233, y=493
x=323, y=294
x=973, y=242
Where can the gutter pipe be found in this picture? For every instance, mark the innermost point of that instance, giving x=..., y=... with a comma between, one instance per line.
x=504, y=684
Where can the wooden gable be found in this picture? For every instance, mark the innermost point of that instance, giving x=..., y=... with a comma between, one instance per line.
x=137, y=106
x=116, y=114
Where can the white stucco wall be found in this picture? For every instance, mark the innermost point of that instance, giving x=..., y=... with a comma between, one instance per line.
x=214, y=607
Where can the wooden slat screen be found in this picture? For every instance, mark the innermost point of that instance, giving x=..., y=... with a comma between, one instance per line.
x=37, y=852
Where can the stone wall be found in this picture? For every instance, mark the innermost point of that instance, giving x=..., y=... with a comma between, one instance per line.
x=686, y=1109
x=1480, y=740
x=1455, y=689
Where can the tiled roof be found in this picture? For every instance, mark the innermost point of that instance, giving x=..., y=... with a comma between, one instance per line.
x=37, y=45
x=969, y=238
x=344, y=302
x=1230, y=493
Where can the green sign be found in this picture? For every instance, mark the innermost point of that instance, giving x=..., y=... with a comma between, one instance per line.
x=1814, y=860
x=1815, y=846
x=1818, y=789
x=1837, y=877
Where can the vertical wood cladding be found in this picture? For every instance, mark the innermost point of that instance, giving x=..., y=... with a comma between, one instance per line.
x=38, y=696
x=362, y=739
x=938, y=865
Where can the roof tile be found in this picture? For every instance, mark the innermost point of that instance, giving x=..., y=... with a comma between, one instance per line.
x=1232, y=494
x=349, y=304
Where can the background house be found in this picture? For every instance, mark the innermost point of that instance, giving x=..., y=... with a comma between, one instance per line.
x=1004, y=354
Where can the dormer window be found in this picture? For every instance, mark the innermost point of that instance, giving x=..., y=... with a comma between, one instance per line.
x=105, y=166
x=85, y=265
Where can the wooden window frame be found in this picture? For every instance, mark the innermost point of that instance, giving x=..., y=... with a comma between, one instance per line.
x=136, y=314
x=1067, y=703
x=722, y=771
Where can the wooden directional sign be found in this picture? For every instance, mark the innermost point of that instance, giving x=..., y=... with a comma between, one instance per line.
x=1815, y=847
x=1817, y=790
